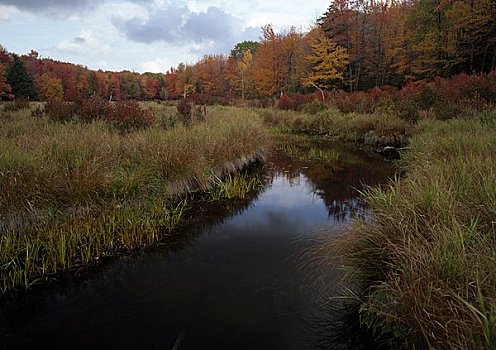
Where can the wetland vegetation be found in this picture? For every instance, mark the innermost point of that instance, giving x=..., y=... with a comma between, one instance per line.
x=73, y=193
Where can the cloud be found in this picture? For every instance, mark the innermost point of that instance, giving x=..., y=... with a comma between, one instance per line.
x=156, y=66
x=214, y=24
x=49, y=5
x=7, y=13
x=212, y=29
x=163, y=25
x=85, y=43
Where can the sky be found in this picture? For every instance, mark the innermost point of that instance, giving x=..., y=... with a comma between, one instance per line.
x=143, y=35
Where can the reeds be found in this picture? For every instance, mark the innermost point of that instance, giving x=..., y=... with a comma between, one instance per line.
x=426, y=260
x=236, y=186
x=72, y=193
x=332, y=122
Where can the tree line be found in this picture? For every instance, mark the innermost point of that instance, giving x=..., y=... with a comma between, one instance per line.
x=354, y=46
x=32, y=77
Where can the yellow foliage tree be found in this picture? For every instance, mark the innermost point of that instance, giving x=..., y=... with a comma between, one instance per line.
x=244, y=66
x=327, y=61
x=50, y=88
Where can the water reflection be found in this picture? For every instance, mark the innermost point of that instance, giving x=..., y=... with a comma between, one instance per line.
x=230, y=281
x=336, y=181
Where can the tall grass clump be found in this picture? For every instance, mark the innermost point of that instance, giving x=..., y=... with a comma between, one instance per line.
x=72, y=192
x=236, y=186
x=425, y=262
x=332, y=122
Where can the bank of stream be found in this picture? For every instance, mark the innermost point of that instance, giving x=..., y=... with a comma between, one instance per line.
x=241, y=277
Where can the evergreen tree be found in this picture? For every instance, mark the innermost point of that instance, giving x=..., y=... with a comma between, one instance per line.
x=20, y=81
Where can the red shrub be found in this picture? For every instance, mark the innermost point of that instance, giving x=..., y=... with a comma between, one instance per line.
x=128, y=116
x=93, y=108
x=57, y=110
x=443, y=97
x=184, y=110
x=285, y=103
x=296, y=101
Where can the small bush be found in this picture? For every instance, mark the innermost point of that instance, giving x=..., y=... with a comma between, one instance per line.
x=184, y=110
x=296, y=101
x=285, y=103
x=128, y=116
x=94, y=108
x=57, y=110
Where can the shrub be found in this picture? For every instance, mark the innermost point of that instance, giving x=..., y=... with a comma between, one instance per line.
x=128, y=116
x=57, y=110
x=93, y=108
x=285, y=103
x=442, y=98
x=184, y=110
x=296, y=101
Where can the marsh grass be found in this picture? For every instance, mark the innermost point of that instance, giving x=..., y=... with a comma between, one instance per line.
x=425, y=263
x=303, y=148
x=237, y=186
x=73, y=193
x=331, y=122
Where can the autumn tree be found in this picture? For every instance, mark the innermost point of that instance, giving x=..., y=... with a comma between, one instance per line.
x=340, y=23
x=209, y=75
x=102, y=84
x=150, y=86
x=433, y=43
x=171, y=77
x=114, y=87
x=474, y=26
x=50, y=88
x=292, y=59
x=328, y=62
x=243, y=69
x=5, y=88
x=267, y=68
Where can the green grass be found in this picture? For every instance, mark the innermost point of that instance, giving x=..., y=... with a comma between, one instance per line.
x=73, y=193
x=237, y=186
x=426, y=261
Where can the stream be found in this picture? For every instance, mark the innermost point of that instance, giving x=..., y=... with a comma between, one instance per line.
x=239, y=279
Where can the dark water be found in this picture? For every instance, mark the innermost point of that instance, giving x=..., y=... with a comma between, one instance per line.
x=243, y=282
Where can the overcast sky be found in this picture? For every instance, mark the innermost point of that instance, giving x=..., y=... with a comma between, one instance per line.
x=143, y=35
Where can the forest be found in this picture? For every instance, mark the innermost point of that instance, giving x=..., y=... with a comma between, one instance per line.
x=355, y=46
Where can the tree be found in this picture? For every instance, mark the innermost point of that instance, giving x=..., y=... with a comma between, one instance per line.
x=474, y=25
x=433, y=43
x=267, y=72
x=102, y=84
x=292, y=59
x=21, y=83
x=347, y=27
x=328, y=61
x=209, y=75
x=50, y=88
x=5, y=88
x=171, y=77
x=239, y=50
x=243, y=67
